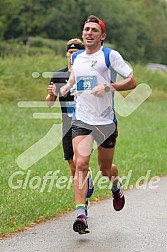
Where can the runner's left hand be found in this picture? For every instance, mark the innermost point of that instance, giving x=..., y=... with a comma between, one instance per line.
x=98, y=91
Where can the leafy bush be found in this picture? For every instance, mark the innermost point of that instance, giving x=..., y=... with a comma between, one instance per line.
x=58, y=46
x=33, y=46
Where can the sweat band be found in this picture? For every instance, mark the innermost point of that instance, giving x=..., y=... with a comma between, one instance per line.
x=98, y=21
x=75, y=46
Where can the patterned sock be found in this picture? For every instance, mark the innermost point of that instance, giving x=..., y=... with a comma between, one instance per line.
x=80, y=209
x=117, y=186
x=86, y=202
x=90, y=184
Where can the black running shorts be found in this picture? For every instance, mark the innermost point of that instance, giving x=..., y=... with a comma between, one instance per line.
x=67, y=145
x=104, y=135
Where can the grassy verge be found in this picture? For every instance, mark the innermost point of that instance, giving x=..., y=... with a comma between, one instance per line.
x=25, y=78
x=17, y=83
x=141, y=146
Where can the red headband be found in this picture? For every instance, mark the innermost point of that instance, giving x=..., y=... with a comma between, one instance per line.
x=102, y=25
x=100, y=22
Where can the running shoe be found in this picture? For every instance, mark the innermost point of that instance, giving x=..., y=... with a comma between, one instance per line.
x=80, y=225
x=90, y=184
x=118, y=199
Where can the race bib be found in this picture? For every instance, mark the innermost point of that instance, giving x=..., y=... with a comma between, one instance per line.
x=86, y=83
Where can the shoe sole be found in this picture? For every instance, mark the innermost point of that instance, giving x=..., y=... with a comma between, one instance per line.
x=80, y=227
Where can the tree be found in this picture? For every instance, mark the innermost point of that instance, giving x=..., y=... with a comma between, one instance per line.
x=135, y=28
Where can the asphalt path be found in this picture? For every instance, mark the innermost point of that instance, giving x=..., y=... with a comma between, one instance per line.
x=140, y=226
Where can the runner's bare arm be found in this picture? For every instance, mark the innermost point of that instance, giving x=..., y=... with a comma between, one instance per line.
x=66, y=88
x=125, y=84
x=51, y=97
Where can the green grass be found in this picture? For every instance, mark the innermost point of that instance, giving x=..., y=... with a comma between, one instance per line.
x=17, y=83
x=141, y=145
x=155, y=79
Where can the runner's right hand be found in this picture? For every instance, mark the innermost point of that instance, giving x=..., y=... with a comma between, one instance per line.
x=65, y=90
x=52, y=89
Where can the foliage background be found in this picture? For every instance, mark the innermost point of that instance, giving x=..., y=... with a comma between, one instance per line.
x=136, y=28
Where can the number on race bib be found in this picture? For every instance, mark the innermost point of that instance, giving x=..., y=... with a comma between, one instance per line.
x=86, y=84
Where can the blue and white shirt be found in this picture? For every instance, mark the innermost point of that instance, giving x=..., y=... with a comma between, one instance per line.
x=91, y=70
